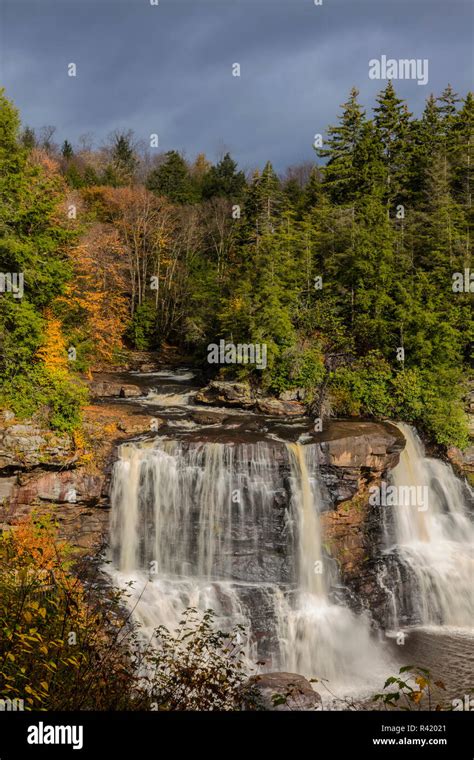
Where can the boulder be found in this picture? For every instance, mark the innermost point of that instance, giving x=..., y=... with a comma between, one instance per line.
x=279, y=408
x=139, y=424
x=110, y=389
x=284, y=692
x=204, y=417
x=220, y=393
x=240, y=395
x=297, y=394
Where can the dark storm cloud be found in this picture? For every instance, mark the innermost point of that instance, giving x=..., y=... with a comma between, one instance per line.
x=167, y=68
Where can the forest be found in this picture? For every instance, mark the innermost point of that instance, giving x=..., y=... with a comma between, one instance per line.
x=352, y=270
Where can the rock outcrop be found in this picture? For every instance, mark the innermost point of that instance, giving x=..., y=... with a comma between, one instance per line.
x=48, y=472
x=241, y=396
x=109, y=389
x=220, y=393
x=25, y=445
x=351, y=453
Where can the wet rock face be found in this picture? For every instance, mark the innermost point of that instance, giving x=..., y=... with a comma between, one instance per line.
x=463, y=461
x=353, y=534
x=353, y=529
x=284, y=692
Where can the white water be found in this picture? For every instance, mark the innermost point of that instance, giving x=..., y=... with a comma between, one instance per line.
x=206, y=525
x=436, y=544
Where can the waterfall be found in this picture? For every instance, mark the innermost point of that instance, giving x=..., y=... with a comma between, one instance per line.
x=434, y=540
x=318, y=637
x=235, y=527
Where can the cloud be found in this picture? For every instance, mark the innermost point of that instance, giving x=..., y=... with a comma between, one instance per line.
x=167, y=68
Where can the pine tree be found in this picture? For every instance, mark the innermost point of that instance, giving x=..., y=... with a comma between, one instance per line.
x=448, y=104
x=172, y=179
x=66, y=150
x=462, y=155
x=313, y=192
x=263, y=203
x=392, y=122
x=224, y=180
x=339, y=178
x=28, y=138
x=124, y=160
x=427, y=137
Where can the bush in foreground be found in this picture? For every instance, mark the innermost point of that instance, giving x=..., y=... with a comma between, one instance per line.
x=63, y=648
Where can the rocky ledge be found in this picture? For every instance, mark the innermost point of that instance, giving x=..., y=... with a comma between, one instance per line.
x=353, y=453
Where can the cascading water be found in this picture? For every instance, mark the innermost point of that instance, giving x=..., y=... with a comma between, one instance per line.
x=434, y=541
x=317, y=637
x=235, y=528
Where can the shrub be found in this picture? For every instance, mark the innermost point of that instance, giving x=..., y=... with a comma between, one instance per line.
x=363, y=387
x=412, y=689
x=64, y=648
x=59, y=395
x=297, y=368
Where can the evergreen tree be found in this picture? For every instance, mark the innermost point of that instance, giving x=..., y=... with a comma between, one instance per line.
x=392, y=121
x=263, y=202
x=426, y=141
x=313, y=192
x=339, y=177
x=28, y=138
x=172, y=179
x=66, y=150
x=462, y=155
x=448, y=101
x=224, y=180
x=124, y=160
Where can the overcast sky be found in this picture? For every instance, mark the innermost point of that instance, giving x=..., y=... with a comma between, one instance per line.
x=167, y=69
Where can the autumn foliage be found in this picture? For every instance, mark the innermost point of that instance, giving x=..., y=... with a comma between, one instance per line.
x=58, y=650
x=96, y=307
